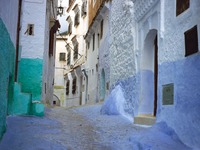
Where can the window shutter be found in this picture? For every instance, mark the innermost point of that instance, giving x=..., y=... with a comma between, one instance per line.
x=191, y=41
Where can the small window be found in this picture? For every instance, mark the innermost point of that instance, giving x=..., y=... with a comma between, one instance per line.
x=62, y=57
x=68, y=57
x=30, y=29
x=67, y=87
x=69, y=20
x=101, y=32
x=69, y=29
x=191, y=41
x=74, y=86
x=181, y=6
x=84, y=9
x=77, y=19
x=93, y=41
x=76, y=52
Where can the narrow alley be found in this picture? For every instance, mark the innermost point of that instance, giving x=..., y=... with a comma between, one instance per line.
x=84, y=128
x=99, y=75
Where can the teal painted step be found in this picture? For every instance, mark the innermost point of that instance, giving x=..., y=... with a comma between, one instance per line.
x=21, y=102
x=23, y=105
x=37, y=108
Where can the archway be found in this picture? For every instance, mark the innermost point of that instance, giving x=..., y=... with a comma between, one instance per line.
x=149, y=74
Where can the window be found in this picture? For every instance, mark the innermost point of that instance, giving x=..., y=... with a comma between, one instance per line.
x=181, y=6
x=62, y=57
x=76, y=51
x=77, y=18
x=93, y=41
x=67, y=87
x=101, y=31
x=77, y=15
x=68, y=57
x=84, y=9
x=74, y=86
x=191, y=41
x=69, y=20
x=70, y=28
x=30, y=29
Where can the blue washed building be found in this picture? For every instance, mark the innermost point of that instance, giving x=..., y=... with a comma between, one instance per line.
x=154, y=57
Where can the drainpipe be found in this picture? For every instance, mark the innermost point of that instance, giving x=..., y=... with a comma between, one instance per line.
x=17, y=39
x=86, y=93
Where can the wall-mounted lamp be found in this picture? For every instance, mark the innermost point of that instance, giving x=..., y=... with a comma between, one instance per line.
x=60, y=9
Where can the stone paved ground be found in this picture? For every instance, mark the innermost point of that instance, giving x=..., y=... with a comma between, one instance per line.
x=83, y=128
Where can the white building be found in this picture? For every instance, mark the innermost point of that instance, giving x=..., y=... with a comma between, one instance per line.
x=74, y=77
x=37, y=48
x=97, y=63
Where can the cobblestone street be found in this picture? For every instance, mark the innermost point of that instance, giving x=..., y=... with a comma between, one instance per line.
x=83, y=128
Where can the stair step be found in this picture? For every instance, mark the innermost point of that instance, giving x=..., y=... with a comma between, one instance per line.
x=145, y=119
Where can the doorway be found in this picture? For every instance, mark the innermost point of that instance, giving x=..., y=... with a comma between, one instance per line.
x=102, y=86
x=149, y=74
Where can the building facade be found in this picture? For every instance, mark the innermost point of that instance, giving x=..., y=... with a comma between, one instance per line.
x=27, y=56
x=154, y=55
x=97, y=39
x=75, y=53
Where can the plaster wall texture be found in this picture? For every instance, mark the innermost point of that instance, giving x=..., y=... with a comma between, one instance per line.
x=32, y=47
x=7, y=57
x=183, y=71
x=9, y=15
x=34, y=12
x=8, y=30
x=104, y=59
x=123, y=58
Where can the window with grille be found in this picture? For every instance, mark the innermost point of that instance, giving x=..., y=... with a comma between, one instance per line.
x=76, y=52
x=84, y=9
x=74, y=86
x=62, y=57
x=101, y=31
x=67, y=87
x=70, y=28
x=77, y=18
x=68, y=57
x=93, y=41
x=191, y=41
x=181, y=6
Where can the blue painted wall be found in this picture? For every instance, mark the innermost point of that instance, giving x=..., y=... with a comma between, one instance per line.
x=7, y=57
x=184, y=115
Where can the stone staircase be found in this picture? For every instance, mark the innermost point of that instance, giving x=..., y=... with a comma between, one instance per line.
x=22, y=103
x=145, y=119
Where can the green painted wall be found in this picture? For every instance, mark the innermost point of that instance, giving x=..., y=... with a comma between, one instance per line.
x=7, y=61
x=30, y=77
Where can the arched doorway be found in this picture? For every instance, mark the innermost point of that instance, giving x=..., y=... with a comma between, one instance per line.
x=149, y=74
x=102, y=85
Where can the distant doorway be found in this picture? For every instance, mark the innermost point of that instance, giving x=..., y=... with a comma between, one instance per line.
x=102, y=85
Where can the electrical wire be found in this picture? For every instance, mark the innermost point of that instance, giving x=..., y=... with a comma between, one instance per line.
x=70, y=47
